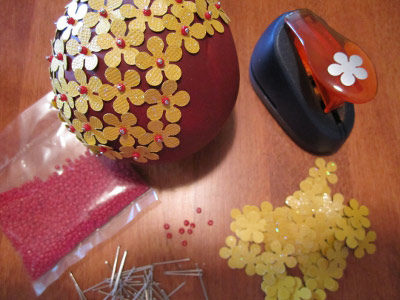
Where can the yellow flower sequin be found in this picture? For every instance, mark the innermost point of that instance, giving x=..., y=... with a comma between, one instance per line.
x=357, y=214
x=124, y=129
x=90, y=128
x=139, y=154
x=251, y=227
x=282, y=289
x=64, y=99
x=122, y=44
x=279, y=257
x=166, y=101
x=209, y=13
x=160, y=136
x=144, y=13
x=184, y=32
x=159, y=61
x=324, y=170
x=366, y=245
x=123, y=89
x=337, y=254
x=103, y=15
x=105, y=150
x=345, y=232
x=316, y=293
x=325, y=273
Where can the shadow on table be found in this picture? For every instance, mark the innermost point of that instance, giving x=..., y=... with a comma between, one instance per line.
x=194, y=167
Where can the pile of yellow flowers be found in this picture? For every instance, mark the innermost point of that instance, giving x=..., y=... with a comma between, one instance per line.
x=312, y=232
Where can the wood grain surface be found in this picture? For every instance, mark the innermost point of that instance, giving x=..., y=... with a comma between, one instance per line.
x=252, y=160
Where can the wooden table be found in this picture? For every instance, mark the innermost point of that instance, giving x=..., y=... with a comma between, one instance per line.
x=252, y=160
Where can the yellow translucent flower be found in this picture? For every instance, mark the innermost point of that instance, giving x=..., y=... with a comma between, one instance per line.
x=317, y=293
x=105, y=150
x=324, y=232
x=282, y=289
x=220, y=12
x=123, y=89
x=179, y=8
x=83, y=50
x=159, y=61
x=325, y=274
x=209, y=13
x=87, y=92
x=166, y=101
x=357, y=214
x=104, y=13
x=300, y=292
x=139, y=154
x=160, y=136
x=144, y=13
x=124, y=129
x=184, y=32
x=345, y=232
x=90, y=128
x=337, y=254
x=122, y=44
x=324, y=170
x=252, y=227
x=366, y=245
x=64, y=99
x=279, y=257
x=267, y=210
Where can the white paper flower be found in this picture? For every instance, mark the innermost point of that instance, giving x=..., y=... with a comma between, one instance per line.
x=349, y=68
x=59, y=59
x=73, y=21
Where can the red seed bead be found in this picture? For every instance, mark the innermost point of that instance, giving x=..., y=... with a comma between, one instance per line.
x=71, y=21
x=120, y=43
x=103, y=149
x=158, y=138
x=60, y=56
x=86, y=127
x=169, y=235
x=186, y=222
x=121, y=87
x=165, y=100
x=82, y=90
x=189, y=231
x=160, y=63
x=71, y=129
x=210, y=222
x=63, y=97
x=123, y=131
x=198, y=210
x=147, y=12
x=185, y=30
x=178, y=1
x=49, y=58
x=103, y=13
x=136, y=156
x=166, y=226
x=83, y=50
x=207, y=15
x=181, y=230
x=184, y=243
x=218, y=5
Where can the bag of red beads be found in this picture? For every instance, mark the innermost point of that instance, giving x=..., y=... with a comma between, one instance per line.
x=57, y=200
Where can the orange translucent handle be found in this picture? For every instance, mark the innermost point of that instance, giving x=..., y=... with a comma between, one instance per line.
x=341, y=70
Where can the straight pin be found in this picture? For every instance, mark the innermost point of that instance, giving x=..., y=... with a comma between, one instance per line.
x=78, y=289
x=177, y=289
x=114, y=266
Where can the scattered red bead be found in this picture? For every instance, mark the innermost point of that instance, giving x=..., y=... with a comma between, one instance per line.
x=189, y=231
x=186, y=222
x=169, y=235
x=192, y=225
x=184, y=243
x=181, y=230
x=210, y=222
x=166, y=226
x=198, y=210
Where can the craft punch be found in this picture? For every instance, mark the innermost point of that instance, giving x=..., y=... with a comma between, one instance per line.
x=308, y=76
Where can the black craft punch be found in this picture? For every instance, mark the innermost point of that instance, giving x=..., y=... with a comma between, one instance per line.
x=306, y=74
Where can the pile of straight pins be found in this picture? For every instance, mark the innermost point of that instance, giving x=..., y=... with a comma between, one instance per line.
x=138, y=283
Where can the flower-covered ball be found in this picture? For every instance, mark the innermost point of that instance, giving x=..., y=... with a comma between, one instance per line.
x=146, y=80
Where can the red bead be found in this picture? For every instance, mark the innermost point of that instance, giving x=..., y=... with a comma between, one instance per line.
x=169, y=235
x=103, y=13
x=178, y=1
x=198, y=210
x=184, y=243
x=181, y=230
x=103, y=149
x=82, y=90
x=49, y=58
x=185, y=30
x=186, y=222
x=60, y=56
x=218, y=5
x=207, y=15
x=123, y=131
x=160, y=62
x=120, y=43
x=136, y=156
x=83, y=50
x=210, y=222
x=147, y=12
x=189, y=231
x=158, y=138
x=121, y=87
x=71, y=129
x=63, y=97
x=192, y=225
x=86, y=127
x=166, y=226
x=71, y=21
x=165, y=100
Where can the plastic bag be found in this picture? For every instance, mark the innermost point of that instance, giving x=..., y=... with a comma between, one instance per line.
x=55, y=195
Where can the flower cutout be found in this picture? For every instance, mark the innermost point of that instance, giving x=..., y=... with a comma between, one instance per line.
x=209, y=13
x=324, y=170
x=139, y=154
x=105, y=150
x=337, y=254
x=184, y=32
x=84, y=50
x=220, y=12
x=345, y=232
x=348, y=68
x=121, y=44
x=123, y=89
x=86, y=92
x=300, y=292
x=281, y=289
x=90, y=128
x=58, y=61
x=325, y=273
x=71, y=23
x=64, y=100
x=159, y=136
x=252, y=227
x=159, y=62
x=103, y=15
x=180, y=7
x=366, y=245
x=279, y=257
x=166, y=101
x=317, y=293
x=124, y=129
x=144, y=13
x=357, y=214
